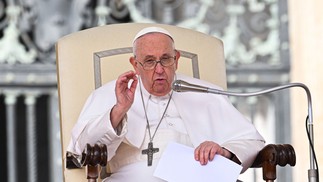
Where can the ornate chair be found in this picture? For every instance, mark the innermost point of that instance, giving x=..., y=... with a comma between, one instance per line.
x=88, y=59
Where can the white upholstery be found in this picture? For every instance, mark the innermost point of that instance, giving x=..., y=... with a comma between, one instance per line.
x=76, y=76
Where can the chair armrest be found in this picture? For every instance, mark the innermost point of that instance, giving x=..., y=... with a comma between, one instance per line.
x=92, y=155
x=92, y=158
x=271, y=156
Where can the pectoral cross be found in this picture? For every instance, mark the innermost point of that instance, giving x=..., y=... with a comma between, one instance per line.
x=150, y=152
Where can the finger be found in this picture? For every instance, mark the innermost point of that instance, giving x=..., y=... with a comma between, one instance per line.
x=123, y=80
x=131, y=75
x=203, y=154
x=197, y=153
x=213, y=152
x=127, y=75
x=133, y=85
x=209, y=152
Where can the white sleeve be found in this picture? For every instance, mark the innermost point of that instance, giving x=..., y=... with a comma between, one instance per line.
x=94, y=125
x=245, y=150
x=98, y=131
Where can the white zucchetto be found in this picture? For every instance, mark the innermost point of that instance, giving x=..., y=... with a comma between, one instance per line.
x=151, y=30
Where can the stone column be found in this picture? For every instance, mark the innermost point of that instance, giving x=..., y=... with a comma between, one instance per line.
x=10, y=101
x=30, y=101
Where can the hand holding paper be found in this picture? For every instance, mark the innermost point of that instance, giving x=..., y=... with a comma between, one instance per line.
x=178, y=164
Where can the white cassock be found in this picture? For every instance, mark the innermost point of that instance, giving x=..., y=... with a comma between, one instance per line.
x=191, y=119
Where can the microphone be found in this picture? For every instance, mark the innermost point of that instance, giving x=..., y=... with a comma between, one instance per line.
x=183, y=86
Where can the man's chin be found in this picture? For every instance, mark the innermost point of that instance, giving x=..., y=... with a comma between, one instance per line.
x=161, y=91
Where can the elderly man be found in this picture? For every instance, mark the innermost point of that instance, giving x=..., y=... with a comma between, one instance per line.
x=138, y=114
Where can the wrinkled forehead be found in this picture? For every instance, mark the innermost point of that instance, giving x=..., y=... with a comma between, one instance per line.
x=149, y=30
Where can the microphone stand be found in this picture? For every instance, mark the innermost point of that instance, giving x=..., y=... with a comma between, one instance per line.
x=182, y=86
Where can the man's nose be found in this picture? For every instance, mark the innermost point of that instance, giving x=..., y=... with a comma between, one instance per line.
x=159, y=67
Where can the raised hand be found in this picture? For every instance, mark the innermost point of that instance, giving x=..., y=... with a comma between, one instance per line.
x=125, y=91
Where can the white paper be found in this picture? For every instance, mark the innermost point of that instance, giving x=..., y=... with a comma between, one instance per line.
x=178, y=164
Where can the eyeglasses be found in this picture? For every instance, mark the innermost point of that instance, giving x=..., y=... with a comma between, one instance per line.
x=151, y=64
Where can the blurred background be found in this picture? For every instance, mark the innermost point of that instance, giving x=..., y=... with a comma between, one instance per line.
x=267, y=43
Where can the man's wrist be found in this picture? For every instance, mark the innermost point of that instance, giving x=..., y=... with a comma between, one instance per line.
x=228, y=154
x=116, y=116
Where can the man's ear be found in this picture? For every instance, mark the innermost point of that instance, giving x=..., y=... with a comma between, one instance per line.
x=134, y=64
x=178, y=55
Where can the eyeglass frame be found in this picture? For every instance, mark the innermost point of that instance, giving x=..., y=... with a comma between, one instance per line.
x=156, y=62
